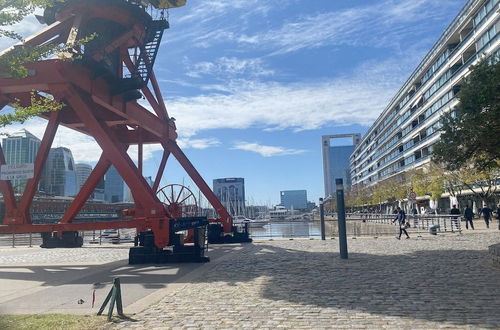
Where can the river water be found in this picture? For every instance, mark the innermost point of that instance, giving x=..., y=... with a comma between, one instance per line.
x=311, y=229
x=286, y=230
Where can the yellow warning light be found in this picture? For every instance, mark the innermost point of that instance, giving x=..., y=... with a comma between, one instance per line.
x=165, y=4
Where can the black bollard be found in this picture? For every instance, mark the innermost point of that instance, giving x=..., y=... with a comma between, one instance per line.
x=322, y=218
x=341, y=218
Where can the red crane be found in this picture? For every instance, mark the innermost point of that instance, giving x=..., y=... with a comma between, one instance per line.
x=99, y=84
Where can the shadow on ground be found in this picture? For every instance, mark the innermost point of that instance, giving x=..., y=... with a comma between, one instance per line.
x=457, y=286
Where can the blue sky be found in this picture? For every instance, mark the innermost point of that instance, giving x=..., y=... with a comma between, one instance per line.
x=254, y=84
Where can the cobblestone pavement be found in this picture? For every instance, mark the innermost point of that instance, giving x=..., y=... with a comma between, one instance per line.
x=430, y=282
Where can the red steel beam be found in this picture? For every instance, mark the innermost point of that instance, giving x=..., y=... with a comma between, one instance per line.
x=161, y=168
x=41, y=157
x=88, y=187
x=128, y=35
x=44, y=35
x=8, y=193
x=205, y=189
x=117, y=155
x=160, y=111
x=139, y=150
x=159, y=97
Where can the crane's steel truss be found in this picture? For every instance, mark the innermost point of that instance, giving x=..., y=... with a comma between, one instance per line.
x=103, y=106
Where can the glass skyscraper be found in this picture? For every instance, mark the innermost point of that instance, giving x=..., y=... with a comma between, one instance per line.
x=114, y=186
x=82, y=173
x=294, y=199
x=19, y=148
x=59, y=177
x=336, y=160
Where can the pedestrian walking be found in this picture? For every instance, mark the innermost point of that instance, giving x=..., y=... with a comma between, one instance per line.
x=498, y=215
x=486, y=211
x=454, y=220
x=468, y=216
x=401, y=219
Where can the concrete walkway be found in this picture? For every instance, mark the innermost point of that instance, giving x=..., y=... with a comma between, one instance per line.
x=427, y=282
x=37, y=281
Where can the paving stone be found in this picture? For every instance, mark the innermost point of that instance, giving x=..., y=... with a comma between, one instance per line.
x=443, y=281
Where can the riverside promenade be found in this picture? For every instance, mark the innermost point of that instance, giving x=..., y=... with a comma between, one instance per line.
x=444, y=281
x=426, y=282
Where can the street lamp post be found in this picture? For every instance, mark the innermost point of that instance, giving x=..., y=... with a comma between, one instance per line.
x=341, y=218
x=322, y=218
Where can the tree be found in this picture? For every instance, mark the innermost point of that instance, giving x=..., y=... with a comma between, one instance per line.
x=12, y=62
x=428, y=180
x=469, y=135
x=482, y=183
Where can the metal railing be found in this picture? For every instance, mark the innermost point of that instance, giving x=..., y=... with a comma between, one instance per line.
x=418, y=223
x=25, y=240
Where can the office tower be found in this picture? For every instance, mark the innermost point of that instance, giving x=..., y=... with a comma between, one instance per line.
x=294, y=199
x=336, y=159
x=82, y=173
x=19, y=148
x=114, y=186
x=231, y=193
x=59, y=174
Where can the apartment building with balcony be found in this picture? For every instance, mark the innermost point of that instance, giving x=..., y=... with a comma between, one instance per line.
x=403, y=136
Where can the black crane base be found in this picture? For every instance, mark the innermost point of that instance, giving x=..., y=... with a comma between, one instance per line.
x=153, y=255
x=216, y=235
x=145, y=251
x=68, y=239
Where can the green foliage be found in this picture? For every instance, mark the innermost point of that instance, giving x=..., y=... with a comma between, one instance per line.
x=482, y=182
x=38, y=106
x=470, y=134
x=428, y=180
x=13, y=11
x=12, y=63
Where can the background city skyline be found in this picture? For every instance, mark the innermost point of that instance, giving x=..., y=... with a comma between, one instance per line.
x=255, y=85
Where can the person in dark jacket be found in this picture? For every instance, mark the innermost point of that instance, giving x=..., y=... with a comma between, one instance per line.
x=486, y=211
x=468, y=216
x=401, y=219
x=454, y=211
x=498, y=216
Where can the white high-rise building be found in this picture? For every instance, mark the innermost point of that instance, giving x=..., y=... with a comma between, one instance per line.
x=19, y=148
x=403, y=136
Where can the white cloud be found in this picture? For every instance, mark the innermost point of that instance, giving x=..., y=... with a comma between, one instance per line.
x=266, y=151
x=85, y=149
x=29, y=25
x=356, y=99
x=229, y=66
x=379, y=23
x=198, y=143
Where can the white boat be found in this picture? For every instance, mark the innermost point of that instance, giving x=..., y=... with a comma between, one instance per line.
x=240, y=220
x=110, y=233
x=258, y=222
x=279, y=213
